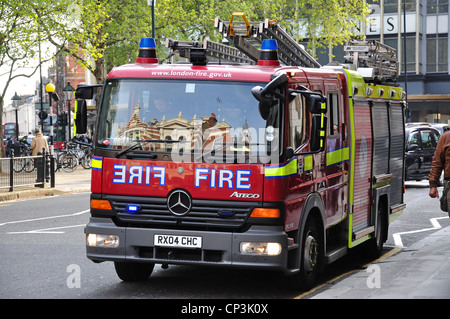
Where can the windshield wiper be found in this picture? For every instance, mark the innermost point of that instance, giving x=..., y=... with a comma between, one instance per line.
x=140, y=143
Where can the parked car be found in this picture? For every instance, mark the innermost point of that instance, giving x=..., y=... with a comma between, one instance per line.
x=413, y=124
x=441, y=127
x=421, y=141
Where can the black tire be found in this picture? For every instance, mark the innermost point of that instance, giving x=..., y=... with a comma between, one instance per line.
x=130, y=271
x=29, y=165
x=69, y=162
x=375, y=244
x=18, y=165
x=86, y=162
x=311, y=256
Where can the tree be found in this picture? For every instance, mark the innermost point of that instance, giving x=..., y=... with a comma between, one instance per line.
x=19, y=44
x=328, y=23
x=103, y=33
x=106, y=33
x=323, y=23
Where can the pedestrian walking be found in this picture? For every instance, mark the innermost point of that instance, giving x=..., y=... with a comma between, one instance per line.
x=441, y=162
x=13, y=147
x=9, y=144
x=38, y=143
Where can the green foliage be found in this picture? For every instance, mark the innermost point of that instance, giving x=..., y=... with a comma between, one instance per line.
x=21, y=25
x=323, y=22
x=104, y=33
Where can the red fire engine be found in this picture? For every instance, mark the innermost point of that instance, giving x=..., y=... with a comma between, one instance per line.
x=276, y=165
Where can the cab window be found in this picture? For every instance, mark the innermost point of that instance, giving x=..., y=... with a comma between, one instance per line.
x=429, y=139
x=333, y=113
x=297, y=121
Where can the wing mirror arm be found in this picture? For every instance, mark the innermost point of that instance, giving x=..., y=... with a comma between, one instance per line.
x=318, y=108
x=267, y=95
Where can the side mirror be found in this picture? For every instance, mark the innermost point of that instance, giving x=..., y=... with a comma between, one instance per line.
x=266, y=95
x=316, y=101
x=317, y=140
x=317, y=104
x=83, y=93
x=80, y=109
x=86, y=92
x=276, y=82
x=266, y=102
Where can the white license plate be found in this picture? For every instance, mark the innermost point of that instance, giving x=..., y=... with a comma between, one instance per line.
x=178, y=241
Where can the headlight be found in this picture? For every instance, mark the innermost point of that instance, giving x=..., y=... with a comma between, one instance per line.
x=98, y=240
x=269, y=249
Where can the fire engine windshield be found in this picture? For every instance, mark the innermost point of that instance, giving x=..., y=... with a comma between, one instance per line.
x=201, y=121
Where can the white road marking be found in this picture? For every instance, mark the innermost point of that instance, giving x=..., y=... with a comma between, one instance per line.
x=44, y=218
x=46, y=230
x=397, y=236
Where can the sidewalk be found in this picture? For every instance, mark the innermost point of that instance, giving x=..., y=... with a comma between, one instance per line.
x=78, y=180
x=420, y=271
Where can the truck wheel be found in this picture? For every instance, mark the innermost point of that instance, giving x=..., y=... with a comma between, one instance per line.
x=375, y=244
x=129, y=271
x=311, y=256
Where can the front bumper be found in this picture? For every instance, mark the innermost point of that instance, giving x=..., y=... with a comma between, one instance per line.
x=218, y=248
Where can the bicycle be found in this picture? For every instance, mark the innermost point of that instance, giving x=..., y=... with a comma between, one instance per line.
x=85, y=157
x=67, y=160
x=84, y=153
x=25, y=162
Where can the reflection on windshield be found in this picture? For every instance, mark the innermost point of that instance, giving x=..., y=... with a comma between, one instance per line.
x=212, y=118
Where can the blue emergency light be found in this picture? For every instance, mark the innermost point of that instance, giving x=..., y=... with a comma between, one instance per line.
x=147, y=52
x=269, y=44
x=147, y=43
x=269, y=53
x=132, y=208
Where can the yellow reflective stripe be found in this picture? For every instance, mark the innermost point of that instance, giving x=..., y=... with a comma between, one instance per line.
x=283, y=170
x=308, y=162
x=75, y=105
x=97, y=163
x=337, y=156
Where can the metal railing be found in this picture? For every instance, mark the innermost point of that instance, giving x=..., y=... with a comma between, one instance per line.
x=26, y=171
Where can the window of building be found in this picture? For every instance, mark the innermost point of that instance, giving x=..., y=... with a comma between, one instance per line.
x=391, y=6
x=410, y=51
x=437, y=6
x=437, y=53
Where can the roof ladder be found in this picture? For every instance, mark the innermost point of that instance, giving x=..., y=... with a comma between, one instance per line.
x=215, y=51
x=374, y=60
x=248, y=36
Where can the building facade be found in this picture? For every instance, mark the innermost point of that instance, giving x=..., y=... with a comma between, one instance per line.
x=422, y=50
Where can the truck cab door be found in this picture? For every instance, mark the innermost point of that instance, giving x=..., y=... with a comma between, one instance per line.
x=337, y=155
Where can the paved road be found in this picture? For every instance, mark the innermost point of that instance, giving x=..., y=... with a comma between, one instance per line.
x=43, y=256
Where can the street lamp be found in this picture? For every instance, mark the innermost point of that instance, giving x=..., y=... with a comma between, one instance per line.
x=15, y=104
x=50, y=89
x=152, y=3
x=68, y=94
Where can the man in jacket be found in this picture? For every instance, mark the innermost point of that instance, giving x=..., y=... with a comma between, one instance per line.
x=38, y=143
x=440, y=162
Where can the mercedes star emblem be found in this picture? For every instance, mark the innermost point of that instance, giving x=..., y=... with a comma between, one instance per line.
x=179, y=202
